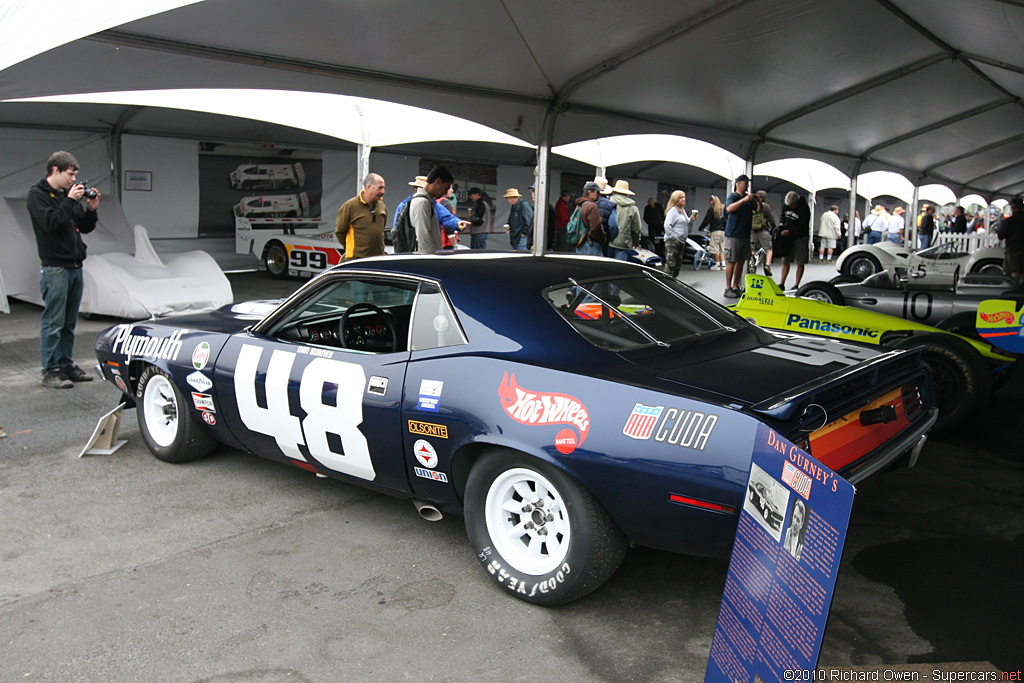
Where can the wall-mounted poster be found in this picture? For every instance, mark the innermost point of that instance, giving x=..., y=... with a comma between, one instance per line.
x=256, y=181
x=138, y=181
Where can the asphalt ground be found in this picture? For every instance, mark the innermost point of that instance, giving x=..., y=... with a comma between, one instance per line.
x=123, y=568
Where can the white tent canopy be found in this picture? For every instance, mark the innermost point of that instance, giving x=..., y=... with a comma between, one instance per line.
x=973, y=199
x=937, y=194
x=553, y=74
x=624, y=149
x=810, y=174
x=885, y=183
x=372, y=123
x=30, y=27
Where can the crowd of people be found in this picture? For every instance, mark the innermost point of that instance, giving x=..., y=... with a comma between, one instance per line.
x=606, y=221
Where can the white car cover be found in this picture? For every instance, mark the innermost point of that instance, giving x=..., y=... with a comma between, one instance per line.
x=116, y=282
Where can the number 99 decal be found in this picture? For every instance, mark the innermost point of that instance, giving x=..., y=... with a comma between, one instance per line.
x=307, y=259
x=342, y=419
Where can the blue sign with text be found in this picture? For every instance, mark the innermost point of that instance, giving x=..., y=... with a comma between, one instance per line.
x=783, y=568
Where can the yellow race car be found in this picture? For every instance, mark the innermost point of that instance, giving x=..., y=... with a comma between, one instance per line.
x=966, y=370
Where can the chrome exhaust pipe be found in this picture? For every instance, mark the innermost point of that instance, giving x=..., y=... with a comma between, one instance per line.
x=915, y=453
x=427, y=511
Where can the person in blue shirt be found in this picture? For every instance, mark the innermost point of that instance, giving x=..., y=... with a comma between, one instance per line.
x=448, y=221
x=739, y=207
x=520, y=220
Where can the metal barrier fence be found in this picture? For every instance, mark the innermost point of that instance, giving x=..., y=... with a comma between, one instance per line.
x=968, y=242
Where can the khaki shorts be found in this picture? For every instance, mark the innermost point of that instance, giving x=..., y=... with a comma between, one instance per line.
x=716, y=244
x=827, y=242
x=1013, y=262
x=760, y=239
x=737, y=249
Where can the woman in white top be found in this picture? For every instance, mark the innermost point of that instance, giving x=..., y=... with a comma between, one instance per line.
x=677, y=229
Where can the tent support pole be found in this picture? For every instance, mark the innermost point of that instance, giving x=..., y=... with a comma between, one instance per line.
x=851, y=238
x=362, y=165
x=911, y=226
x=542, y=184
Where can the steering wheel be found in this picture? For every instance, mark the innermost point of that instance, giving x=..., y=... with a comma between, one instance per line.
x=351, y=339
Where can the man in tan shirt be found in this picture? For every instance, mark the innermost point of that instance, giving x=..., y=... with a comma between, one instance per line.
x=362, y=221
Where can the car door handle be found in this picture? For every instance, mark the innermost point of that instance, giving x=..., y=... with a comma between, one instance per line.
x=869, y=302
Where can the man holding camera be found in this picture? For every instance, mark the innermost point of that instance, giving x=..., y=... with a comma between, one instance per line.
x=59, y=218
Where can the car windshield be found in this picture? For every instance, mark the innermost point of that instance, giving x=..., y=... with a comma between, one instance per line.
x=625, y=313
x=943, y=250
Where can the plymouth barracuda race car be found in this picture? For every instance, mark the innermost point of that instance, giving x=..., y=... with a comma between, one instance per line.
x=601, y=404
x=966, y=370
x=762, y=499
x=939, y=263
x=905, y=294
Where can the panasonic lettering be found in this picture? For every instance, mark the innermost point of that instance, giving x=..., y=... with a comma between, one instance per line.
x=796, y=320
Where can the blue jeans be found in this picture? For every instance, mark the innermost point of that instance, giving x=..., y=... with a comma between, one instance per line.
x=519, y=243
x=926, y=241
x=478, y=241
x=620, y=254
x=590, y=248
x=874, y=237
x=62, y=295
x=895, y=238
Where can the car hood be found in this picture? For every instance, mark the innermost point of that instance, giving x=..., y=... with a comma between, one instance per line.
x=226, y=319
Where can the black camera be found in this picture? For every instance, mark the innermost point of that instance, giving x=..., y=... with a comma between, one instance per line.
x=89, y=192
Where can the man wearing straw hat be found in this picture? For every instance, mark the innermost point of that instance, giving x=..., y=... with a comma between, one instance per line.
x=628, y=218
x=520, y=219
x=876, y=225
x=896, y=225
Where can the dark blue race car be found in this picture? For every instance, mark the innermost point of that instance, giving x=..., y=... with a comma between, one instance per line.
x=566, y=406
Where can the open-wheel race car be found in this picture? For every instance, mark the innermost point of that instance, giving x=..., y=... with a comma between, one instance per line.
x=940, y=263
x=908, y=294
x=966, y=368
x=601, y=404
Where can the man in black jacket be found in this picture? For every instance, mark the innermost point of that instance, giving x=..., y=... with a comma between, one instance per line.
x=58, y=219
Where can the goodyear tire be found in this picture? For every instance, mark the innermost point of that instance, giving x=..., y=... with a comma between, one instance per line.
x=164, y=420
x=540, y=535
x=962, y=383
x=275, y=258
x=822, y=291
x=965, y=324
x=861, y=265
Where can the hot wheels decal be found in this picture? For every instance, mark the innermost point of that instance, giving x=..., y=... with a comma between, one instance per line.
x=998, y=317
x=545, y=408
